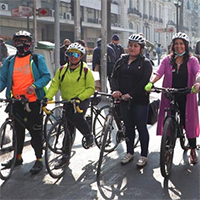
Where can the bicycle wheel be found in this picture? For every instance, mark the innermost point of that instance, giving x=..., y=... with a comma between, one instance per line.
x=103, y=139
x=56, y=114
x=8, y=148
x=183, y=140
x=98, y=125
x=58, y=142
x=167, y=147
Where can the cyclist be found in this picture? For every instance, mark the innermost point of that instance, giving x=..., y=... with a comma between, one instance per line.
x=22, y=76
x=131, y=73
x=75, y=81
x=180, y=70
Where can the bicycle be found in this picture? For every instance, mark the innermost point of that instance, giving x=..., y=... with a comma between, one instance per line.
x=113, y=123
x=59, y=142
x=8, y=140
x=172, y=129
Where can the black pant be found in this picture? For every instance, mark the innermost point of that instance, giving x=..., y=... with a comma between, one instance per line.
x=33, y=121
x=77, y=119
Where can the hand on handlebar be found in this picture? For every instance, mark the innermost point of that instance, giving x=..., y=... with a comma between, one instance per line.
x=76, y=102
x=44, y=102
x=148, y=87
x=116, y=94
x=195, y=88
x=126, y=97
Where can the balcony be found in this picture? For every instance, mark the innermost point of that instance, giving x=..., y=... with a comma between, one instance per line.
x=151, y=17
x=170, y=22
x=160, y=20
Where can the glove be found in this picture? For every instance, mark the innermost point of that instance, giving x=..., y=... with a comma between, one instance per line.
x=77, y=101
x=149, y=86
x=193, y=90
x=44, y=102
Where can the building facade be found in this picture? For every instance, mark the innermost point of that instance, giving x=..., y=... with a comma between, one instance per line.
x=156, y=19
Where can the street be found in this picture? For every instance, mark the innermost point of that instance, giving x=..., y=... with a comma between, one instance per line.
x=117, y=181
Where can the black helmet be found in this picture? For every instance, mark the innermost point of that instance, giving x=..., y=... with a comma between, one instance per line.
x=24, y=34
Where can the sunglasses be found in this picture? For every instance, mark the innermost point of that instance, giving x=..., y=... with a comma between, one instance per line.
x=76, y=55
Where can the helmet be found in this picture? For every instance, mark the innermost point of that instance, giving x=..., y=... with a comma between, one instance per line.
x=24, y=34
x=76, y=47
x=1, y=40
x=180, y=35
x=137, y=38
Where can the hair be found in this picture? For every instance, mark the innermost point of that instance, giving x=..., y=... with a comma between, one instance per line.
x=185, y=56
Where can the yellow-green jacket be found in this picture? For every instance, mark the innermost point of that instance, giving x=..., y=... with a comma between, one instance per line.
x=70, y=86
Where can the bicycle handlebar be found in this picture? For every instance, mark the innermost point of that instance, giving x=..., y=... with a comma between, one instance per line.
x=22, y=99
x=74, y=102
x=172, y=90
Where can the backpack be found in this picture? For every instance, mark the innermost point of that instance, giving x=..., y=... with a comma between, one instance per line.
x=34, y=56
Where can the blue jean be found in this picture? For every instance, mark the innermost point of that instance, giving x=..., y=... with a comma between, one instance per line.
x=136, y=116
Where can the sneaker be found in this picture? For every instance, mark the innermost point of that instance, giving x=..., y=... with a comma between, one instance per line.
x=37, y=167
x=88, y=141
x=9, y=163
x=62, y=162
x=127, y=158
x=142, y=161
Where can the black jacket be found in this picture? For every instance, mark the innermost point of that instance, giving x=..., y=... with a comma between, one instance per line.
x=132, y=78
x=119, y=50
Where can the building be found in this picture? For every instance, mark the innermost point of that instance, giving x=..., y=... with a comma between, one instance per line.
x=157, y=19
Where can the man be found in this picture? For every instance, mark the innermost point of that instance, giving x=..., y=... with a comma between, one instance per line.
x=118, y=48
x=159, y=52
x=96, y=59
x=63, y=48
x=22, y=75
x=3, y=51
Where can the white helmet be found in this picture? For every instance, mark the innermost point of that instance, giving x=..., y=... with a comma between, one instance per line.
x=181, y=35
x=137, y=38
x=76, y=47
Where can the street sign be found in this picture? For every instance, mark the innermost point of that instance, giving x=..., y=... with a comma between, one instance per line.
x=162, y=30
x=25, y=11
x=43, y=12
x=15, y=12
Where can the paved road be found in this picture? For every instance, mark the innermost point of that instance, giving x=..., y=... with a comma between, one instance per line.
x=125, y=182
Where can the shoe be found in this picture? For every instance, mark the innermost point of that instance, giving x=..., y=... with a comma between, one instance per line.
x=127, y=158
x=193, y=157
x=88, y=141
x=9, y=163
x=37, y=167
x=62, y=162
x=142, y=161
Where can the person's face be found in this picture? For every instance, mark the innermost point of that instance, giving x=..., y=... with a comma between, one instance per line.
x=67, y=43
x=115, y=41
x=134, y=49
x=179, y=46
x=22, y=40
x=74, y=57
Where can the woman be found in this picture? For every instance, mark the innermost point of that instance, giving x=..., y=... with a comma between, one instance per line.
x=75, y=81
x=131, y=73
x=180, y=70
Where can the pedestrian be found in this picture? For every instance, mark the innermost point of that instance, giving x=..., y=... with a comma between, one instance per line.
x=63, y=48
x=131, y=73
x=118, y=48
x=159, y=52
x=82, y=42
x=75, y=81
x=3, y=51
x=180, y=69
x=96, y=60
x=20, y=75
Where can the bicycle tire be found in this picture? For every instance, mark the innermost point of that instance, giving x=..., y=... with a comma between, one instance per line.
x=8, y=148
x=104, y=135
x=167, y=147
x=58, y=140
x=98, y=127
x=56, y=114
x=183, y=140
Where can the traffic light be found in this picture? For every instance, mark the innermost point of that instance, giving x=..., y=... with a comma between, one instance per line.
x=72, y=8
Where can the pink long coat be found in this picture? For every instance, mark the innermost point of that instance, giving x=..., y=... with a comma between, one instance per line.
x=192, y=118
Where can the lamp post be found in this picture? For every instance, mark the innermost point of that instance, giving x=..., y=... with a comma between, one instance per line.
x=177, y=3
